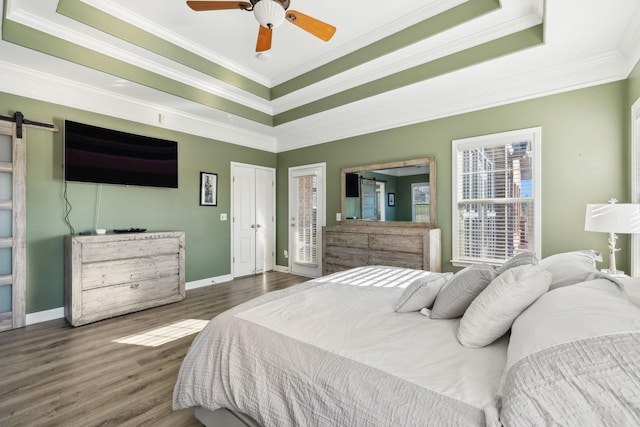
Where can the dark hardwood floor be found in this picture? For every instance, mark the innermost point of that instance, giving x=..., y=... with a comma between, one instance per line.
x=52, y=374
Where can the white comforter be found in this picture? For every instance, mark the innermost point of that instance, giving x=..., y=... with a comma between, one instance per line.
x=333, y=352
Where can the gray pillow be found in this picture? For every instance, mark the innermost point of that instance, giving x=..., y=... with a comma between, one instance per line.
x=525, y=258
x=569, y=268
x=458, y=293
x=421, y=292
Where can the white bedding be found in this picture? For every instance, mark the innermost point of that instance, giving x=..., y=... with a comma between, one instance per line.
x=364, y=327
x=333, y=352
x=363, y=364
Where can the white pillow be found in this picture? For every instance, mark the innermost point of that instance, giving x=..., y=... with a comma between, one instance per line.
x=492, y=313
x=572, y=313
x=421, y=292
x=524, y=258
x=569, y=268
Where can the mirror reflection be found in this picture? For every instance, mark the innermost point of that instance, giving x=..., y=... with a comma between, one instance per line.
x=390, y=192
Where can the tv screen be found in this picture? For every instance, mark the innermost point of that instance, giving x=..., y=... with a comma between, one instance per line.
x=95, y=154
x=352, y=185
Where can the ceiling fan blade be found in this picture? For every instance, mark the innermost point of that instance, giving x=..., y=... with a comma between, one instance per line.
x=320, y=29
x=200, y=6
x=264, y=39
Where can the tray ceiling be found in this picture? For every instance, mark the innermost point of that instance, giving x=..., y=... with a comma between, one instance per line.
x=389, y=64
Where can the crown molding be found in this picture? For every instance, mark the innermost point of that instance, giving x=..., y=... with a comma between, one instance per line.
x=136, y=20
x=486, y=86
x=416, y=16
x=435, y=47
x=91, y=38
x=29, y=83
x=630, y=43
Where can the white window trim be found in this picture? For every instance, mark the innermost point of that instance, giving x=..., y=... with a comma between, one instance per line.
x=635, y=182
x=535, y=135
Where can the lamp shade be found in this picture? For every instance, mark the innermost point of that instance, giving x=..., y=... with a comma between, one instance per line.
x=613, y=218
x=269, y=13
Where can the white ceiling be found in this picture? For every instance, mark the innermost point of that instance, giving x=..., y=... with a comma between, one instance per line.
x=586, y=42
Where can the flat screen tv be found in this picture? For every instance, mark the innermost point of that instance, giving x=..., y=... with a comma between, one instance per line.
x=99, y=155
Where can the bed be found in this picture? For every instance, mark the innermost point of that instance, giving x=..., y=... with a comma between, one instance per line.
x=338, y=351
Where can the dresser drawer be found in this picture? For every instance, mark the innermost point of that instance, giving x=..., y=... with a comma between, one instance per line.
x=108, y=273
x=118, y=299
x=123, y=249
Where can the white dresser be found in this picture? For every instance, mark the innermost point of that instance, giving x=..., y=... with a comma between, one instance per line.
x=113, y=274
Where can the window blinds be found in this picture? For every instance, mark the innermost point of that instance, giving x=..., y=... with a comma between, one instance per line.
x=306, y=229
x=495, y=204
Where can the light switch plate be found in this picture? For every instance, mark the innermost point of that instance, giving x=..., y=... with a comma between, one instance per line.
x=223, y=217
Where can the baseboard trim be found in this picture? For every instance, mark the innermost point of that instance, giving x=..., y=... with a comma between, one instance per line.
x=208, y=282
x=45, y=316
x=281, y=268
x=58, y=313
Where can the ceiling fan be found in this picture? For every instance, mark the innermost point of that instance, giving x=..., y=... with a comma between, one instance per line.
x=270, y=14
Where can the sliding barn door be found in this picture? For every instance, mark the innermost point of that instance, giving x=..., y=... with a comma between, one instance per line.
x=13, y=166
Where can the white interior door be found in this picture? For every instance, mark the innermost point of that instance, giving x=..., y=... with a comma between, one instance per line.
x=253, y=216
x=244, y=212
x=306, y=219
x=265, y=195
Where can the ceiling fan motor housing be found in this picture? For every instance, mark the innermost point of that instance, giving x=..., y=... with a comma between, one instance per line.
x=269, y=13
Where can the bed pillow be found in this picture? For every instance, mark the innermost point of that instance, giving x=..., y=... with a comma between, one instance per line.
x=525, y=258
x=583, y=311
x=492, y=313
x=421, y=293
x=460, y=290
x=569, y=268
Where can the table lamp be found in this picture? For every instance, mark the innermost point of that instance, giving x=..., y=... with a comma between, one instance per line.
x=613, y=218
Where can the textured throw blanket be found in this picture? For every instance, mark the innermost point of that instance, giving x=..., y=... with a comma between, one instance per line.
x=590, y=382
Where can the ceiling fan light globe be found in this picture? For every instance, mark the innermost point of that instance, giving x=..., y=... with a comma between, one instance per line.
x=269, y=13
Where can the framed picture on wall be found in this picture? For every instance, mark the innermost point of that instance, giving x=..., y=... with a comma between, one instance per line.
x=391, y=199
x=208, y=189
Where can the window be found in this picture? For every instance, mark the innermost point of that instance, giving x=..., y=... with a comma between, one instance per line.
x=420, y=201
x=496, y=196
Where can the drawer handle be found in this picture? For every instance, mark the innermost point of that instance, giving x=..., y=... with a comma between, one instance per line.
x=135, y=286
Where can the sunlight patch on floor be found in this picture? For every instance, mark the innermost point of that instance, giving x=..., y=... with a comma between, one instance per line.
x=164, y=334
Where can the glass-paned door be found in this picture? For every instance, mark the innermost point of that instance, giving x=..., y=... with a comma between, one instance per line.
x=12, y=227
x=306, y=216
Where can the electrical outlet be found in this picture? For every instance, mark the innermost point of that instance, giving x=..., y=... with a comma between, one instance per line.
x=286, y=253
x=338, y=216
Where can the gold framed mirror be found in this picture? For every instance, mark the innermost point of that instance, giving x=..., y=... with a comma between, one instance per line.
x=401, y=193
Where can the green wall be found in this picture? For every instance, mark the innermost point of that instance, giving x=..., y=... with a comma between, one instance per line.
x=585, y=146
x=207, y=238
x=584, y=156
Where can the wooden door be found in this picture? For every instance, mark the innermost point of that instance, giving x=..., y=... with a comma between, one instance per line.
x=368, y=199
x=13, y=166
